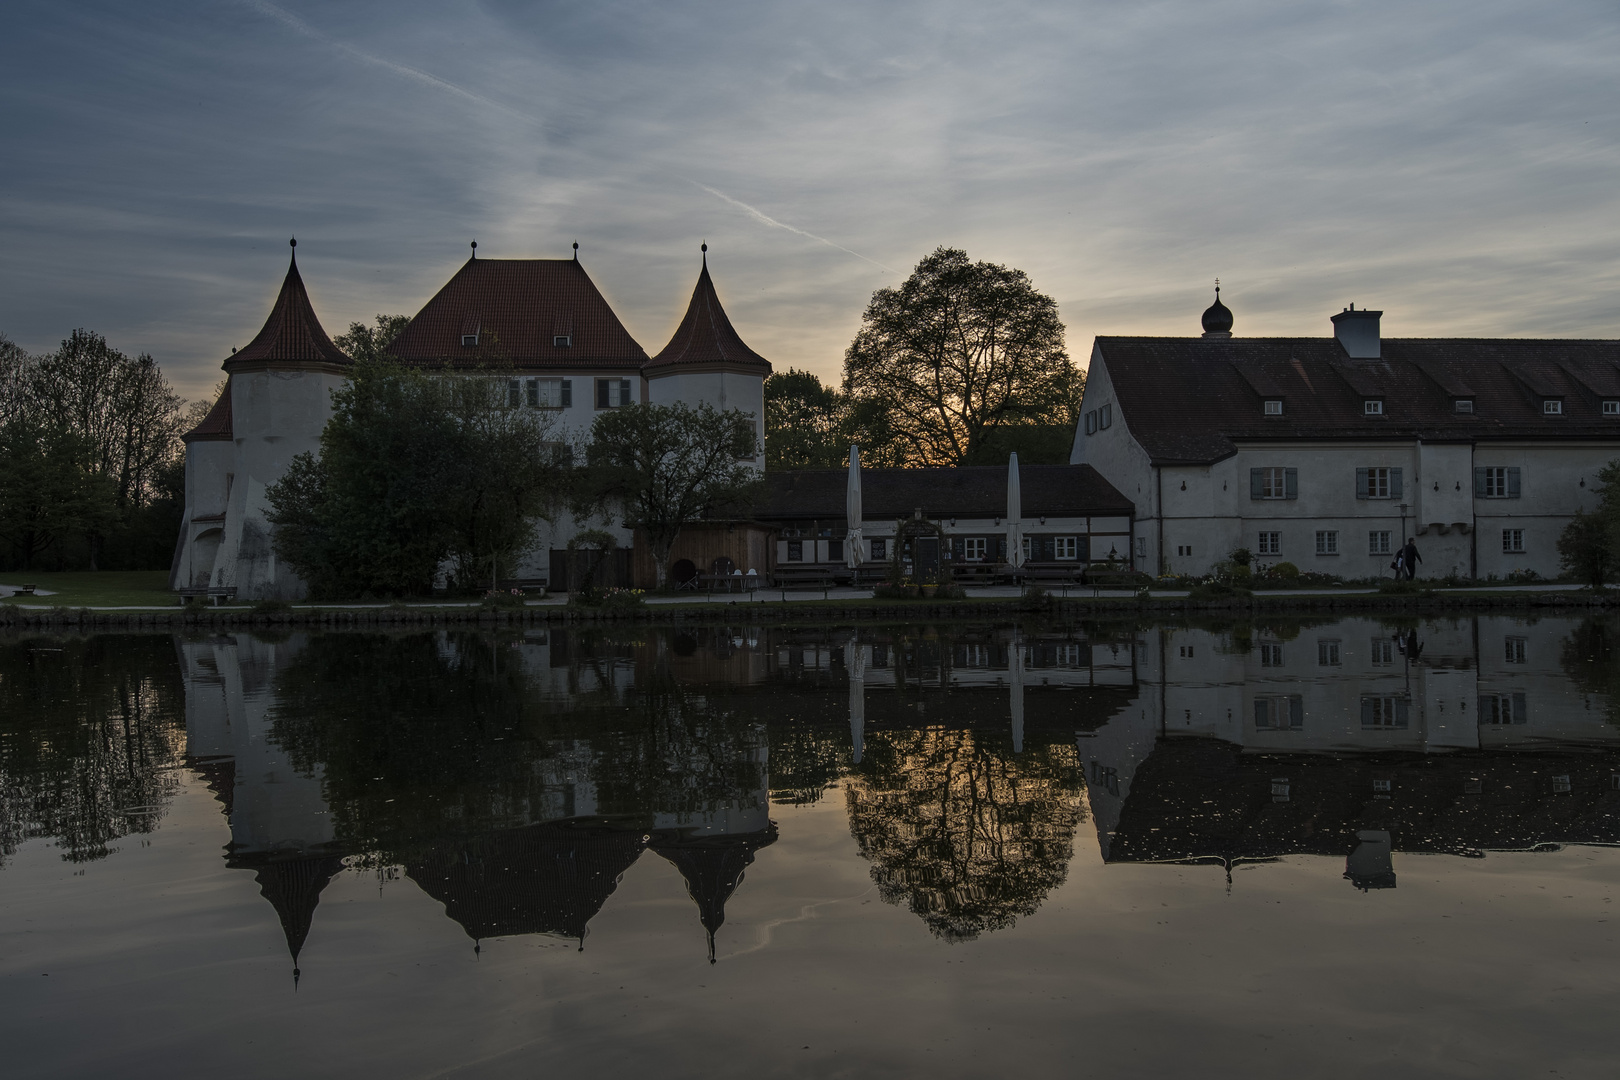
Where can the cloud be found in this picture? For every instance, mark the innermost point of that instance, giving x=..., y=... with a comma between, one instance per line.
x=765, y=219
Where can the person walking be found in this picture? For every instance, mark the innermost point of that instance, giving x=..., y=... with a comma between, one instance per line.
x=1410, y=557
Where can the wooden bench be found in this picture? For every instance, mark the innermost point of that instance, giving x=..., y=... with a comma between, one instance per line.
x=974, y=573
x=797, y=577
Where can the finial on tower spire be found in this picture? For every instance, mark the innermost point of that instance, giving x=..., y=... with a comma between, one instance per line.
x=475, y=249
x=576, y=251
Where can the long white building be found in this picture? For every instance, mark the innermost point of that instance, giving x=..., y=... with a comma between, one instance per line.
x=1325, y=452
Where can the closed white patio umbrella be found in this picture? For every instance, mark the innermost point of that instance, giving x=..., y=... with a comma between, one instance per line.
x=1015, y=511
x=854, y=545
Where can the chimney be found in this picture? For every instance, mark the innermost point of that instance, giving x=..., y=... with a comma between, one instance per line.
x=1357, y=332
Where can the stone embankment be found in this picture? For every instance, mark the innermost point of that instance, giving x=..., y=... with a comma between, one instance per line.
x=1439, y=602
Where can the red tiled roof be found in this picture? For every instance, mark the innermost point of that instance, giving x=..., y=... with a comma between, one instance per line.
x=292, y=333
x=517, y=308
x=706, y=337
x=216, y=426
x=1190, y=400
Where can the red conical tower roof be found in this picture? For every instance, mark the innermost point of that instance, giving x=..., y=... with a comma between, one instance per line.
x=705, y=338
x=292, y=335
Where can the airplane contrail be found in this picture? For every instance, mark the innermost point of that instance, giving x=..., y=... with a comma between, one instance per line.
x=293, y=22
x=766, y=219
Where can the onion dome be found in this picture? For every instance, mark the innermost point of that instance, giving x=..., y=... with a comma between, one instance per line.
x=1217, y=317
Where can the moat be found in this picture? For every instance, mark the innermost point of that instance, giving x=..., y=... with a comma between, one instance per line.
x=1262, y=848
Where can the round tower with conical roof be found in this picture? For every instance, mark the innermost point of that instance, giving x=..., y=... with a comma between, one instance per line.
x=707, y=360
x=279, y=398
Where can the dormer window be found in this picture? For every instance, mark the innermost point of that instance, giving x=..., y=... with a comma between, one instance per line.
x=1274, y=407
x=1462, y=405
x=1611, y=408
x=1372, y=407
x=469, y=341
x=1552, y=407
x=562, y=341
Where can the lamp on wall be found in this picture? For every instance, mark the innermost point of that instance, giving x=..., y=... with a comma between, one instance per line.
x=1043, y=519
x=1184, y=485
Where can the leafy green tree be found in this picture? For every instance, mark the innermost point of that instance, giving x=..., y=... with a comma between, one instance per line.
x=1589, y=547
x=806, y=423
x=49, y=490
x=414, y=470
x=664, y=466
x=958, y=351
x=364, y=342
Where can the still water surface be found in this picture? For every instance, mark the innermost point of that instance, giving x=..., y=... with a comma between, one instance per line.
x=1331, y=849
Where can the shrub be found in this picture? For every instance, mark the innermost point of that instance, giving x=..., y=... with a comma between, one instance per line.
x=1286, y=570
x=498, y=598
x=272, y=607
x=623, y=598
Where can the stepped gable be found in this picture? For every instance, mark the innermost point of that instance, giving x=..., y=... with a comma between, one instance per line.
x=1189, y=401
x=713, y=868
x=972, y=491
x=216, y=426
x=706, y=340
x=543, y=879
x=518, y=312
x=291, y=336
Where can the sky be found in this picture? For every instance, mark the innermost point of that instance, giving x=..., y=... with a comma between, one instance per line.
x=1453, y=164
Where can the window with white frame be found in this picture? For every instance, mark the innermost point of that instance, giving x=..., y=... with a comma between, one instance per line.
x=1502, y=709
x=1372, y=407
x=974, y=548
x=1187, y=652
x=1495, y=482
x=1383, y=711
x=1378, y=542
x=1462, y=405
x=1513, y=650
x=1382, y=652
x=613, y=393
x=1327, y=541
x=1513, y=541
x=795, y=551
x=1273, y=483
x=1279, y=712
x=1066, y=547
x=1552, y=407
x=469, y=340
x=1024, y=547
x=549, y=393
x=1183, y=549
x=1274, y=407
x=562, y=341
x=1611, y=408
x=880, y=550
x=1327, y=653
x=1271, y=655
x=1269, y=543
x=1378, y=482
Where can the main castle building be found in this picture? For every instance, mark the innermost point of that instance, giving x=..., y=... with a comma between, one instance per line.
x=540, y=323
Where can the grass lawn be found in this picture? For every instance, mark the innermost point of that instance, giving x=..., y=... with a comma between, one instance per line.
x=94, y=588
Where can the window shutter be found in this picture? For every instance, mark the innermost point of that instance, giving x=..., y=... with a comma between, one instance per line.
x=1091, y=422
x=1400, y=712
x=1260, y=719
x=601, y=393
x=624, y=392
x=1296, y=711
x=567, y=400
x=532, y=388
x=1519, y=716
x=1513, y=483
x=1366, y=712
x=958, y=548
x=1291, y=483
x=1479, y=483
x=514, y=393
x=1255, y=482
x=1361, y=483
x=1082, y=548
x=1394, y=483
x=1001, y=549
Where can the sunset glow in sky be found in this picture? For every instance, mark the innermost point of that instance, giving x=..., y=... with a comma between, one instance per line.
x=1454, y=164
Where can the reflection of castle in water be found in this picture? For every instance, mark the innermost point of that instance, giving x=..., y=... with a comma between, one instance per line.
x=549, y=872
x=968, y=758
x=1460, y=737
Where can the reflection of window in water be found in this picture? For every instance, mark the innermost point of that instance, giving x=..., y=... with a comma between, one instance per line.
x=1067, y=656
x=1383, y=652
x=1279, y=712
x=1383, y=711
x=1514, y=648
x=1271, y=656
x=1327, y=653
x=973, y=656
x=880, y=656
x=1502, y=709
x=1105, y=777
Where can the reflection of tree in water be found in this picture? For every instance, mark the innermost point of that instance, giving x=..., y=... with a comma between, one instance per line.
x=965, y=834
x=1591, y=658
x=91, y=731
